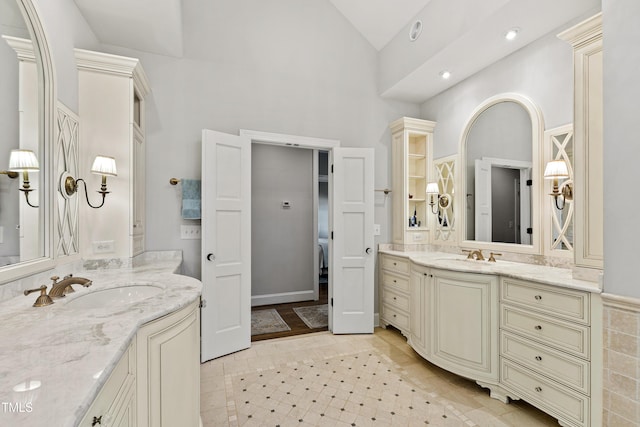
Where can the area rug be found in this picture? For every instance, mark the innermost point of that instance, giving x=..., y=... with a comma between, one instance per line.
x=267, y=322
x=314, y=316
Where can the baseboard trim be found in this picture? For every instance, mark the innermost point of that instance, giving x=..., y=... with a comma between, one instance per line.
x=282, y=298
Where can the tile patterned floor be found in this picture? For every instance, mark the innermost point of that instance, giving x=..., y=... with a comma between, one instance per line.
x=337, y=380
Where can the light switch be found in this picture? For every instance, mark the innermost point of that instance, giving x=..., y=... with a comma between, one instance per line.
x=376, y=229
x=286, y=204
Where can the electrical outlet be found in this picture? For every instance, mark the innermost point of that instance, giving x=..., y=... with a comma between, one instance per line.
x=190, y=232
x=103, y=247
x=376, y=229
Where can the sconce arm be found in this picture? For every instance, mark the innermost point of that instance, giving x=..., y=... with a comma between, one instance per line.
x=86, y=194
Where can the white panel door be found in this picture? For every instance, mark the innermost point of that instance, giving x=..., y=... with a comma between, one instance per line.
x=352, y=249
x=226, y=244
x=483, y=200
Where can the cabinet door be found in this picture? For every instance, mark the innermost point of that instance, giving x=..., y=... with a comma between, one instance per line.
x=464, y=324
x=419, y=285
x=169, y=370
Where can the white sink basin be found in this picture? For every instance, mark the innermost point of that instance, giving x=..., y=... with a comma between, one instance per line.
x=115, y=297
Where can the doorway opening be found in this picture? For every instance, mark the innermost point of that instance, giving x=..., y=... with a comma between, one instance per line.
x=290, y=240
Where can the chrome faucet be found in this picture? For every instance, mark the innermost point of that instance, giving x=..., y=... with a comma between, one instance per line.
x=63, y=287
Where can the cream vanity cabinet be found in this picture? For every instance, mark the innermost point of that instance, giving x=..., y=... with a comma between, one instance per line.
x=169, y=370
x=462, y=321
x=550, y=354
x=157, y=381
x=115, y=404
x=411, y=159
x=112, y=122
x=394, y=292
x=420, y=294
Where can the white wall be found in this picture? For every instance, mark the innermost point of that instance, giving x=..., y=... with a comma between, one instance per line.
x=621, y=34
x=66, y=29
x=282, y=66
x=542, y=71
x=282, y=244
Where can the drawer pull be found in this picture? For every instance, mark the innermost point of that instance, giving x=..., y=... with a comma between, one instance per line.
x=395, y=281
x=538, y=297
x=395, y=263
x=538, y=328
x=538, y=389
x=394, y=298
x=394, y=315
x=538, y=358
x=97, y=420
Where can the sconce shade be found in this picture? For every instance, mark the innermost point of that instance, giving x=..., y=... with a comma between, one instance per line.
x=556, y=169
x=23, y=161
x=104, y=165
x=432, y=188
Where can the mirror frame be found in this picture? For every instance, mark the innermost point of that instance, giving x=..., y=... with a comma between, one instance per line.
x=47, y=91
x=537, y=135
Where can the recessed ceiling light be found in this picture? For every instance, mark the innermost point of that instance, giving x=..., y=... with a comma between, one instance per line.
x=415, y=30
x=445, y=74
x=511, y=34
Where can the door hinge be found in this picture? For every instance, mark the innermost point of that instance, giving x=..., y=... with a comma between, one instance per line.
x=331, y=168
x=529, y=230
x=203, y=303
x=332, y=235
x=331, y=302
x=529, y=182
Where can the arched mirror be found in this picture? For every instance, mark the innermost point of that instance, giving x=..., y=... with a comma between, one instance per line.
x=25, y=106
x=500, y=175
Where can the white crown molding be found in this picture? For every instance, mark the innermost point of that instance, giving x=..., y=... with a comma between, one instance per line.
x=584, y=32
x=23, y=48
x=115, y=65
x=409, y=123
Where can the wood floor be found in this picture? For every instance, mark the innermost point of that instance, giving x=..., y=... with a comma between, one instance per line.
x=288, y=315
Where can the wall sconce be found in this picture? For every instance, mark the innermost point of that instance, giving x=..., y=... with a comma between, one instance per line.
x=23, y=161
x=102, y=165
x=443, y=199
x=557, y=169
x=433, y=190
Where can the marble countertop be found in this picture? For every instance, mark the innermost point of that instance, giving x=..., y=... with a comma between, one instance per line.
x=538, y=273
x=72, y=351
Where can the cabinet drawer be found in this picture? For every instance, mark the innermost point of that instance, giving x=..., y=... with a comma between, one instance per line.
x=395, y=299
x=395, y=317
x=400, y=283
x=564, y=303
x=570, y=371
x=552, y=398
x=562, y=335
x=395, y=264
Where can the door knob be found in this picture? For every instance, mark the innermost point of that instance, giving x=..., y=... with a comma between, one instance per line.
x=368, y=250
x=211, y=257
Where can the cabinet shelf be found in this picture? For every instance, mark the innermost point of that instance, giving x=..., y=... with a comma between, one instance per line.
x=416, y=156
x=417, y=177
x=417, y=200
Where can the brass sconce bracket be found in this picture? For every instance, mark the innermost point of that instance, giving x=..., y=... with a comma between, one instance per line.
x=68, y=186
x=10, y=174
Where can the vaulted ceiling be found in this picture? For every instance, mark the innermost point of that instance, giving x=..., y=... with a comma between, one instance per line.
x=461, y=36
